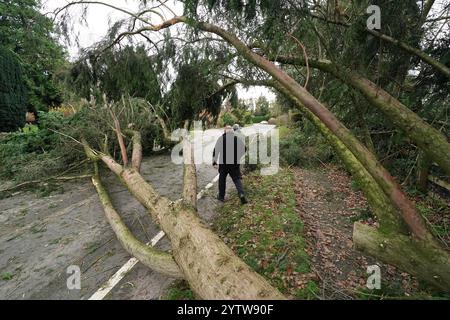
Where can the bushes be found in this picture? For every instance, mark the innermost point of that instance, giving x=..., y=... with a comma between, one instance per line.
x=38, y=151
x=34, y=151
x=258, y=119
x=302, y=149
x=13, y=95
x=227, y=119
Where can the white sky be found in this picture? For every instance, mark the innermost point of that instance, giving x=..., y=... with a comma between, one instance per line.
x=98, y=18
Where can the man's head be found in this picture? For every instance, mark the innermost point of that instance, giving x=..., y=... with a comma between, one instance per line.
x=228, y=129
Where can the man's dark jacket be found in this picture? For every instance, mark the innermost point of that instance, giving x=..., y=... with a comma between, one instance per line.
x=229, y=150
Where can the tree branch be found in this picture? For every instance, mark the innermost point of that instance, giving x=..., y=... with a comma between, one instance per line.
x=156, y=260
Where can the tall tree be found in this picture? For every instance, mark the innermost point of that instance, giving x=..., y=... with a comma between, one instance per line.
x=13, y=95
x=31, y=35
x=116, y=72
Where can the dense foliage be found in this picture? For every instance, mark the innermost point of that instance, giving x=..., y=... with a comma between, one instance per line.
x=194, y=91
x=336, y=30
x=31, y=35
x=13, y=94
x=127, y=71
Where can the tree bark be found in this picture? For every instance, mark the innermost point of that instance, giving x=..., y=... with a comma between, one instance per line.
x=427, y=138
x=423, y=171
x=420, y=258
x=442, y=68
x=156, y=260
x=212, y=270
x=385, y=211
x=388, y=184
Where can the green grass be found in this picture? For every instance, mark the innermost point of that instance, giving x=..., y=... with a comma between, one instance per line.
x=436, y=211
x=6, y=276
x=91, y=247
x=267, y=233
x=179, y=290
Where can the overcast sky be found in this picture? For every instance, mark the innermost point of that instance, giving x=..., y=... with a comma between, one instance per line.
x=98, y=18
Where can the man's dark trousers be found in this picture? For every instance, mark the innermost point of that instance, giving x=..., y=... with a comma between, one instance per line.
x=235, y=173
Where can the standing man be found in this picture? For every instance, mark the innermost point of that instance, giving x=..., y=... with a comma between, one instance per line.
x=228, y=153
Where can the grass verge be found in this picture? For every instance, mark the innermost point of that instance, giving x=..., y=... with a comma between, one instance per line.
x=267, y=234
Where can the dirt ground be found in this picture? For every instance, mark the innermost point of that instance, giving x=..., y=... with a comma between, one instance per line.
x=41, y=236
x=328, y=207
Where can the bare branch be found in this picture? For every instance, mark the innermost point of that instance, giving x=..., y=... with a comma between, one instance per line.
x=306, y=58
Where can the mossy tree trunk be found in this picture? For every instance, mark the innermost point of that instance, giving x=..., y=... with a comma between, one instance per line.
x=427, y=138
x=420, y=258
x=383, y=178
x=381, y=205
x=212, y=270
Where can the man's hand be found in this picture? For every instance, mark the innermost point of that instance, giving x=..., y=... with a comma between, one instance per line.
x=215, y=165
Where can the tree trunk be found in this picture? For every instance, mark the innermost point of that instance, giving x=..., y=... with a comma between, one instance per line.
x=386, y=213
x=360, y=111
x=439, y=182
x=212, y=270
x=420, y=258
x=390, y=187
x=442, y=68
x=136, y=156
x=156, y=260
x=427, y=138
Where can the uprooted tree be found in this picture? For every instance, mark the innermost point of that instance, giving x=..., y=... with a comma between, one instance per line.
x=198, y=255
x=213, y=271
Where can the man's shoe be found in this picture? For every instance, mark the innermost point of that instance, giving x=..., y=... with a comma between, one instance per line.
x=243, y=200
x=221, y=199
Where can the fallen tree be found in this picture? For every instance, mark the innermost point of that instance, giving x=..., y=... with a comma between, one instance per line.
x=368, y=161
x=389, y=243
x=387, y=183
x=419, y=258
x=427, y=138
x=188, y=236
x=442, y=68
x=198, y=255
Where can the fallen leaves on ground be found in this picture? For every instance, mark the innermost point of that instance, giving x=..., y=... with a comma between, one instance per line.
x=328, y=207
